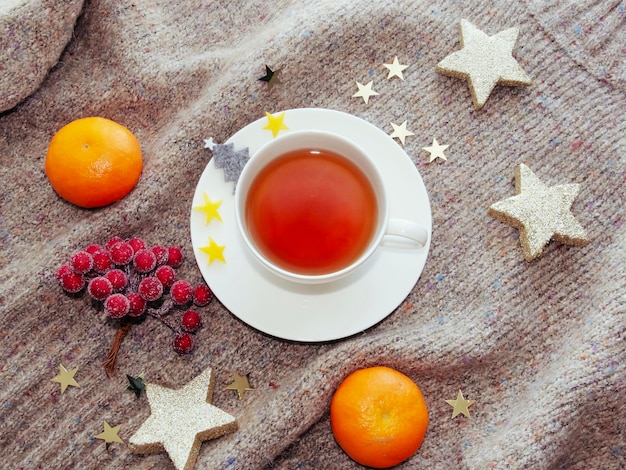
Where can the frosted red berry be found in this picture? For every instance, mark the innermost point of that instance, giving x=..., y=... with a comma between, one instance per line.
x=191, y=321
x=161, y=254
x=63, y=270
x=137, y=244
x=117, y=278
x=166, y=275
x=144, y=261
x=174, y=256
x=137, y=304
x=99, y=288
x=102, y=261
x=72, y=282
x=93, y=248
x=183, y=343
x=121, y=253
x=117, y=305
x=150, y=289
x=202, y=295
x=181, y=292
x=81, y=262
x=112, y=242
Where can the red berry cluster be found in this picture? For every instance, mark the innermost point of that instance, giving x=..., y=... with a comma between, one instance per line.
x=131, y=280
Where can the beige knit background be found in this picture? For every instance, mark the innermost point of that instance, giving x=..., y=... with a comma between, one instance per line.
x=540, y=346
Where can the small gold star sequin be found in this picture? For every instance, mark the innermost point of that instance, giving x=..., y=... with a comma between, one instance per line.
x=65, y=378
x=210, y=208
x=241, y=384
x=271, y=78
x=275, y=123
x=109, y=434
x=540, y=213
x=365, y=91
x=484, y=61
x=215, y=251
x=436, y=150
x=180, y=420
x=400, y=132
x=395, y=69
x=460, y=405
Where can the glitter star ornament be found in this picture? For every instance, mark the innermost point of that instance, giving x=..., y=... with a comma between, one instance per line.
x=395, y=69
x=365, y=91
x=541, y=213
x=484, y=61
x=460, y=405
x=180, y=420
x=109, y=434
x=436, y=150
x=210, y=208
x=230, y=160
x=214, y=251
x=400, y=132
x=65, y=378
x=241, y=384
x=275, y=123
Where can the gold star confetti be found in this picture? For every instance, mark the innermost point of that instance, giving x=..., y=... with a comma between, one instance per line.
x=271, y=77
x=210, y=208
x=400, y=131
x=109, y=434
x=395, y=69
x=484, y=61
x=65, y=378
x=541, y=213
x=275, y=123
x=215, y=251
x=180, y=420
x=241, y=384
x=365, y=91
x=436, y=150
x=460, y=405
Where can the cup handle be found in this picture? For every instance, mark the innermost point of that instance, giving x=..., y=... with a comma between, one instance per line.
x=405, y=233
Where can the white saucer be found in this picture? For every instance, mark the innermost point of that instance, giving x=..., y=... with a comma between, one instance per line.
x=323, y=312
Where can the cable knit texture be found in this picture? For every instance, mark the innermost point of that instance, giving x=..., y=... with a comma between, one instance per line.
x=539, y=346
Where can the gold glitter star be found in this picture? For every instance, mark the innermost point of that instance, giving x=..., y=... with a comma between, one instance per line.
x=215, y=251
x=109, y=434
x=436, y=150
x=210, y=208
x=540, y=213
x=365, y=91
x=65, y=378
x=241, y=384
x=395, y=69
x=460, y=405
x=400, y=131
x=271, y=77
x=484, y=61
x=275, y=123
x=180, y=420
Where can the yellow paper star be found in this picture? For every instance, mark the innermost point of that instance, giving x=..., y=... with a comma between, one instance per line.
x=400, y=131
x=460, y=405
x=484, y=61
x=365, y=91
x=180, y=420
x=65, y=378
x=541, y=213
x=210, y=209
x=215, y=251
x=436, y=150
x=109, y=434
x=241, y=384
x=275, y=123
x=395, y=69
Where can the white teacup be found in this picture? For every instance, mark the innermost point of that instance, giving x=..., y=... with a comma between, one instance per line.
x=284, y=207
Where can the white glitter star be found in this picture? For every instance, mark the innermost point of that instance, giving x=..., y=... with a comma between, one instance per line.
x=209, y=144
x=400, y=131
x=395, y=69
x=484, y=61
x=365, y=91
x=540, y=213
x=436, y=150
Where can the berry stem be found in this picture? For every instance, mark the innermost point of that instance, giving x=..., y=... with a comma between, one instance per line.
x=111, y=359
x=159, y=314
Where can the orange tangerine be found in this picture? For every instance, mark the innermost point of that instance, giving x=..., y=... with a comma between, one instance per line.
x=378, y=416
x=93, y=162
